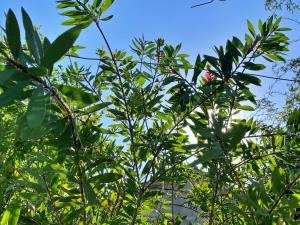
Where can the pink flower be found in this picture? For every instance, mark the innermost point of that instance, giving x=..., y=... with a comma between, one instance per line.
x=208, y=76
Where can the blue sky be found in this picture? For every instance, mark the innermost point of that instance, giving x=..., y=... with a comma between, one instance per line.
x=198, y=29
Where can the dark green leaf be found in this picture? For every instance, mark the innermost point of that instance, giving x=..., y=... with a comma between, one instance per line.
x=13, y=34
x=46, y=44
x=106, y=178
x=89, y=192
x=277, y=180
x=36, y=108
x=6, y=75
x=60, y=47
x=107, y=18
x=38, y=71
x=9, y=95
x=32, y=38
x=77, y=94
x=212, y=153
x=96, y=107
x=248, y=79
x=254, y=66
x=199, y=66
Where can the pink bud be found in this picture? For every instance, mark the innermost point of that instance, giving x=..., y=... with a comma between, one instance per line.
x=208, y=76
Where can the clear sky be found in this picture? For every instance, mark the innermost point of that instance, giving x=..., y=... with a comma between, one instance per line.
x=198, y=29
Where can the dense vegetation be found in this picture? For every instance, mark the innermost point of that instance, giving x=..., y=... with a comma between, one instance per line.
x=80, y=146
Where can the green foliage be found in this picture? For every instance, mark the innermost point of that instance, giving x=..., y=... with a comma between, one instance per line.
x=79, y=146
x=36, y=108
x=32, y=38
x=13, y=34
x=60, y=47
x=11, y=214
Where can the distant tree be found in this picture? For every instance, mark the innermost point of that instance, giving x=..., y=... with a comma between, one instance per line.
x=289, y=5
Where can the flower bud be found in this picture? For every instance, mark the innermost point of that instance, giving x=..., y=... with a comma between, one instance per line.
x=208, y=76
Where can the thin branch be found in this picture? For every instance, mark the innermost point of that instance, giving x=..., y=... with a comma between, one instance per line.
x=140, y=62
x=274, y=78
x=205, y=3
x=160, y=147
x=130, y=127
x=201, y=4
x=69, y=115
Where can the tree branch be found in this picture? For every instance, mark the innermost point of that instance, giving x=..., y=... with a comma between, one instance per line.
x=205, y=3
x=69, y=115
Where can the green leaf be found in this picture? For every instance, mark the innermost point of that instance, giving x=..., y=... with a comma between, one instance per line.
x=6, y=75
x=7, y=97
x=32, y=38
x=246, y=107
x=46, y=44
x=13, y=34
x=293, y=201
x=236, y=133
x=213, y=61
x=251, y=28
x=277, y=180
x=248, y=39
x=5, y=217
x=118, y=114
x=60, y=47
x=36, y=108
x=276, y=57
x=12, y=75
x=260, y=26
x=77, y=94
x=38, y=71
x=105, y=5
x=25, y=132
x=277, y=22
x=254, y=66
x=11, y=214
x=106, y=178
x=89, y=192
x=248, y=79
x=107, y=18
x=284, y=29
x=199, y=66
x=96, y=107
x=212, y=153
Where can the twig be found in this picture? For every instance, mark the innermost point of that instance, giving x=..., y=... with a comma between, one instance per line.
x=140, y=62
x=205, y=3
x=201, y=4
